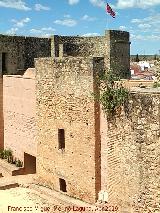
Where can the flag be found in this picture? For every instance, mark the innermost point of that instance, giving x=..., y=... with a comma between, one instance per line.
x=110, y=11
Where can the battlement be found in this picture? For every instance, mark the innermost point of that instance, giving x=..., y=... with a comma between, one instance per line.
x=18, y=52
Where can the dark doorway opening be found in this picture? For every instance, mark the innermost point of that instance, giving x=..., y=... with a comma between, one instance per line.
x=4, y=67
x=62, y=184
x=29, y=164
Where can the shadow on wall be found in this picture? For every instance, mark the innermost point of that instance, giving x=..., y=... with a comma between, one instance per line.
x=29, y=166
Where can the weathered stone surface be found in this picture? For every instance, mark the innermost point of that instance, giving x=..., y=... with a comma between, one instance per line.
x=64, y=101
x=64, y=84
x=21, y=51
x=130, y=149
x=114, y=46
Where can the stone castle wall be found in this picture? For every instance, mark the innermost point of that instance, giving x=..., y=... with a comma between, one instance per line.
x=146, y=126
x=21, y=51
x=79, y=46
x=64, y=84
x=145, y=57
x=64, y=101
x=19, y=115
x=114, y=46
x=120, y=169
x=118, y=156
x=119, y=52
x=15, y=53
x=36, y=48
x=130, y=155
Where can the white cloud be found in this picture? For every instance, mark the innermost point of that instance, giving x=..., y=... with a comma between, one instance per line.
x=144, y=26
x=98, y=3
x=123, y=4
x=71, y=2
x=67, y=16
x=44, y=31
x=66, y=22
x=153, y=37
x=15, y=4
x=88, y=18
x=22, y=22
x=122, y=28
x=148, y=23
x=145, y=37
x=137, y=37
x=135, y=20
x=152, y=20
x=91, y=34
x=39, y=7
x=12, y=31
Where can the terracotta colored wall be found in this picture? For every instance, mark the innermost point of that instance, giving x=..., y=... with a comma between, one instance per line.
x=19, y=115
x=1, y=115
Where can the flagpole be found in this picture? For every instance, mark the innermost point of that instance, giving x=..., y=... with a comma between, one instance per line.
x=107, y=22
x=107, y=19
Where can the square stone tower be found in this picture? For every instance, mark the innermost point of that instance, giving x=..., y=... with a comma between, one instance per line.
x=68, y=117
x=69, y=126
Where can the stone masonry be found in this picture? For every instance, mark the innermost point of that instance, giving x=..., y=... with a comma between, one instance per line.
x=114, y=46
x=118, y=158
x=64, y=101
x=130, y=154
x=19, y=52
x=64, y=84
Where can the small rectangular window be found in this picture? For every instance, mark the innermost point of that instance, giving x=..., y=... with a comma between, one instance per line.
x=62, y=184
x=61, y=139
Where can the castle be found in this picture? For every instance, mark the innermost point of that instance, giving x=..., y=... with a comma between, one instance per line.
x=54, y=125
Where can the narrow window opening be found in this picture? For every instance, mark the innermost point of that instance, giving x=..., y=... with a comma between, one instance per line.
x=62, y=184
x=61, y=139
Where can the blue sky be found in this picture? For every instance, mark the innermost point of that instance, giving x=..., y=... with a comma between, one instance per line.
x=84, y=17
